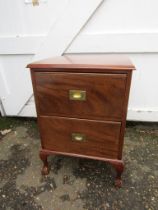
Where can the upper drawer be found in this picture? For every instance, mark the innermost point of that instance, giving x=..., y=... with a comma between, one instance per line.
x=83, y=95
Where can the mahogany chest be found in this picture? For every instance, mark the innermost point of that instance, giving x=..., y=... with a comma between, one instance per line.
x=81, y=103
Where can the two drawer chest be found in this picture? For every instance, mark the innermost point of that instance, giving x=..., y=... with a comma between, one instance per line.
x=81, y=103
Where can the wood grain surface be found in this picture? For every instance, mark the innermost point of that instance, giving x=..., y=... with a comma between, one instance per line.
x=98, y=121
x=102, y=138
x=100, y=62
x=104, y=95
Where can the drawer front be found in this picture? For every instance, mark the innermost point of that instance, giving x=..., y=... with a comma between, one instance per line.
x=84, y=137
x=92, y=96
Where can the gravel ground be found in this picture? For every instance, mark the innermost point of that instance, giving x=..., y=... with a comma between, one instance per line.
x=73, y=183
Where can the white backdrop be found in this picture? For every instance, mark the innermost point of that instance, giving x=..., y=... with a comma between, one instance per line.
x=66, y=26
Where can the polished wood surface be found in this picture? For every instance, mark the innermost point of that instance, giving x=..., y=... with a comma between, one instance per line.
x=125, y=106
x=101, y=62
x=101, y=117
x=104, y=95
x=102, y=138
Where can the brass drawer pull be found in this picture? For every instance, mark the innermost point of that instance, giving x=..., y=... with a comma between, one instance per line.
x=78, y=137
x=35, y=2
x=77, y=95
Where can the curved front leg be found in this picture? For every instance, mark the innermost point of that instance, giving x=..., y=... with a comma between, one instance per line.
x=45, y=169
x=119, y=167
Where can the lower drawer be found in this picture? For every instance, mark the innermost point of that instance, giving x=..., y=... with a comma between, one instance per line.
x=79, y=136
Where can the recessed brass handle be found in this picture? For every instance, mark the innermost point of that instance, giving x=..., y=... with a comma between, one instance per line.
x=78, y=137
x=35, y=2
x=77, y=95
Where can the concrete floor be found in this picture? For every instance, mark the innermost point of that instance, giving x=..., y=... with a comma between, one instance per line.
x=73, y=183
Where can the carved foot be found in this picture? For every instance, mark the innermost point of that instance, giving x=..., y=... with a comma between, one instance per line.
x=45, y=169
x=118, y=183
x=119, y=167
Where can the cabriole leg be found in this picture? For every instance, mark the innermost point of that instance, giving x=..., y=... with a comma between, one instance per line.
x=119, y=167
x=45, y=169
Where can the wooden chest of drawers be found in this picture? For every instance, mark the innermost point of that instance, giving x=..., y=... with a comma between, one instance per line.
x=81, y=103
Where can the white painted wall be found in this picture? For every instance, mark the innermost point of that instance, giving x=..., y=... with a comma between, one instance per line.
x=124, y=26
x=125, y=16
x=20, y=18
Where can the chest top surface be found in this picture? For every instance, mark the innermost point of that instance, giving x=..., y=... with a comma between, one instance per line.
x=101, y=62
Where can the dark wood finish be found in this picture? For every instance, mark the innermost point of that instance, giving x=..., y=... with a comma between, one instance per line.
x=117, y=164
x=104, y=95
x=125, y=106
x=45, y=169
x=102, y=138
x=102, y=117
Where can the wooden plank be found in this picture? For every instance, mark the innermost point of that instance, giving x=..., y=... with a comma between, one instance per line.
x=15, y=83
x=135, y=42
x=60, y=36
x=27, y=44
x=149, y=114
x=67, y=26
x=4, y=90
